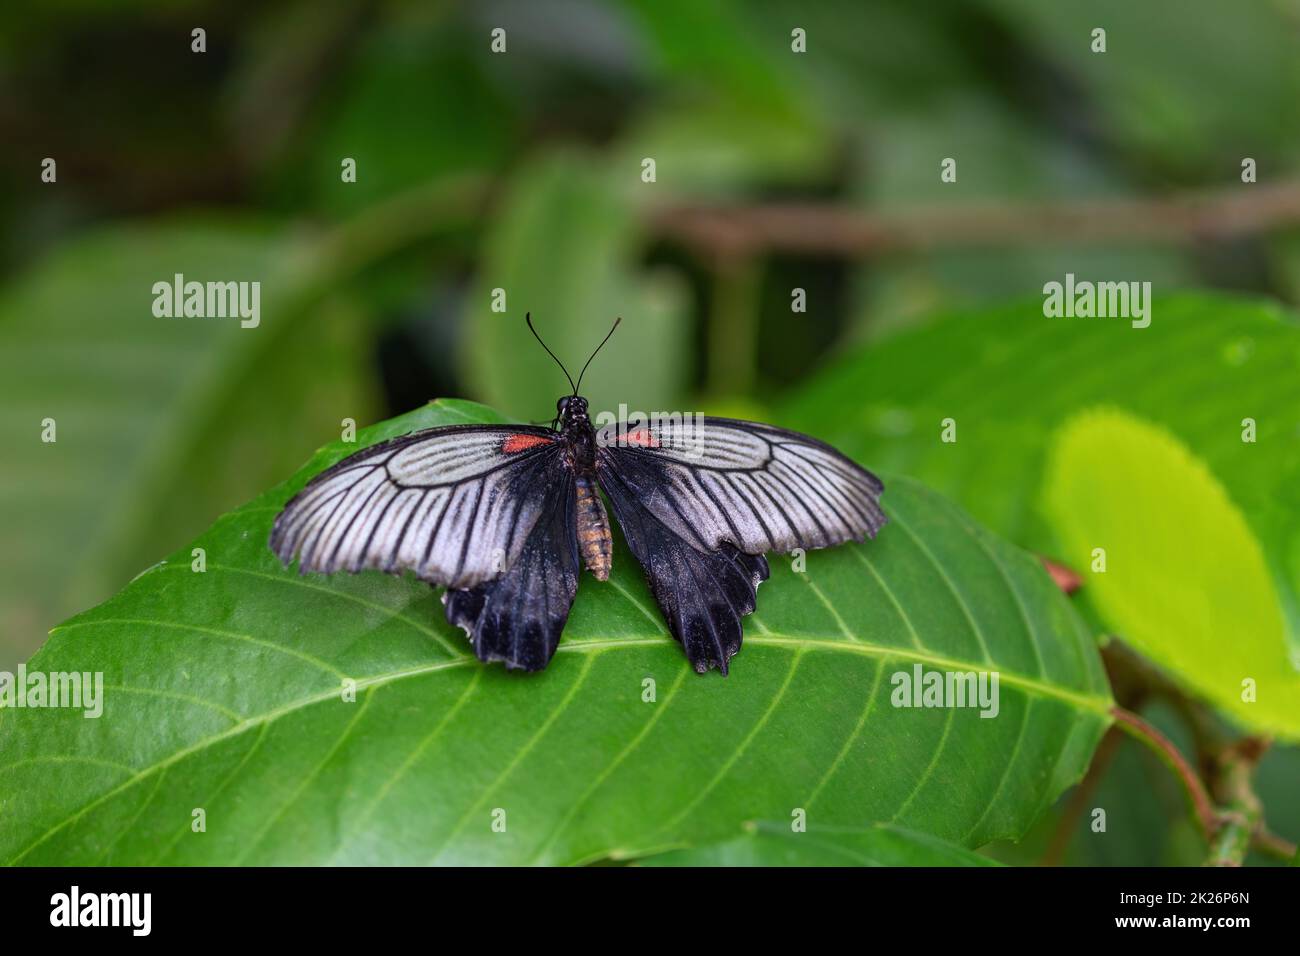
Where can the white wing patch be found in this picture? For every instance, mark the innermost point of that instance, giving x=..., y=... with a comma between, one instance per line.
x=759, y=488
x=455, y=505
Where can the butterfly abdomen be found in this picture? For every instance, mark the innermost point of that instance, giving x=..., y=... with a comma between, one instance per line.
x=594, y=539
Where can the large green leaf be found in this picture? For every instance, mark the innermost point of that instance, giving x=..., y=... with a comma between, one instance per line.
x=160, y=423
x=778, y=844
x=1009, y=376
x=225, y=694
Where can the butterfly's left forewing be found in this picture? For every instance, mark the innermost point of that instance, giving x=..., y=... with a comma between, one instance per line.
x=701, y=499
x=453, y=504
x=486, y=510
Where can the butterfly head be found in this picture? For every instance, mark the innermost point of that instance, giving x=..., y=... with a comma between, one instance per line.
x=572, y=410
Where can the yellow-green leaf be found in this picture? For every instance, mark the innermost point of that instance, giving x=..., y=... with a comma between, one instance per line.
x=1185, y=580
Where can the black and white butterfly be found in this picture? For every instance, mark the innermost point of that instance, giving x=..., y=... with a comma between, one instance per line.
x=501, y=515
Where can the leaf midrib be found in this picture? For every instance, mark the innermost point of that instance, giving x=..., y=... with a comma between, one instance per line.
x=1028, y=685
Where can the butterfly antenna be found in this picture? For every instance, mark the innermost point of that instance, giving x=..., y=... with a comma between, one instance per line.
x=593, y=354
x=528, y=317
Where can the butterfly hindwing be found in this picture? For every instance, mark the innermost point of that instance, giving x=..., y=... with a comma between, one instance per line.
x=518, y=617
x=455, y=505
x=703, y=594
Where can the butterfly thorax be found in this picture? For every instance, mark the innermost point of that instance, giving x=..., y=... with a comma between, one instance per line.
x=579, y=437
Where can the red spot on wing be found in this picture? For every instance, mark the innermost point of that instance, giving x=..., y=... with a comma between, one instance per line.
x=641, y=436
x=517, y=443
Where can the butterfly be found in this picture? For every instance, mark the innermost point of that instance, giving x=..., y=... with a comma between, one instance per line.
x=501, y=516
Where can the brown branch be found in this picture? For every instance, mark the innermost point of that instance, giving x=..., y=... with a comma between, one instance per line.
x=1228, y=765
x=1141, y=730
x=1232, y=828
x=1270, y=844
x=835, y=230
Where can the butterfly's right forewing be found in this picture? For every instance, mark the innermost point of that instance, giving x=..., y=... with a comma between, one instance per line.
x=755, y=486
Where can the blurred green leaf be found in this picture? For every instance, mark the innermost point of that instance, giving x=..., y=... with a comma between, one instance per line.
x=867, y=61
x=159, y=422
x=1184, y=581
x=775, y=844
x=565, y=247
x=416, y=107
x=1187, y=86
x=1000, y=157
x=1009, y=376
x=904, y=293
x=224, y=692
x=736, y=116
x=1275, y=783
x=719, y=149
x=711, y=48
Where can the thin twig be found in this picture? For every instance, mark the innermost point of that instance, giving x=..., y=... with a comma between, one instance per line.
x=841, y=231
x=1140, y=729
x=1226, y=764
x=1270, y=844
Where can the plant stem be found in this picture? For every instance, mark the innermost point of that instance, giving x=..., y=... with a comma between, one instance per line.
x=1228, y=766
x=1164, y=748
x=1242, y=813
x=1270, y=844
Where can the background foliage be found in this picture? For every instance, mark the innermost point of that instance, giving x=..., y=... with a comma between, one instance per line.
x=522, y=171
